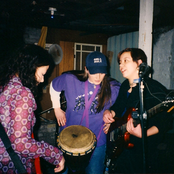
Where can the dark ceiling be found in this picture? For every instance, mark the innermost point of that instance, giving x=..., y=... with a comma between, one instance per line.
x=110, y=17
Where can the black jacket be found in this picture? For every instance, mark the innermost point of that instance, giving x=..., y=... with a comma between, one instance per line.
x=154, y=94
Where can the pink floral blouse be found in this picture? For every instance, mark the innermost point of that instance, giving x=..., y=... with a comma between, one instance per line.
x=17, y=104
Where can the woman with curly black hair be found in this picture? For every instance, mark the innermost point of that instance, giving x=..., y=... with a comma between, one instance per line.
x=19, y=81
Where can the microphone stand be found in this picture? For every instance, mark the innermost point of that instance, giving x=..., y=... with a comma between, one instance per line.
x=143, y=118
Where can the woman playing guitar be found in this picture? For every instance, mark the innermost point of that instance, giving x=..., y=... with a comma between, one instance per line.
x=131, y=160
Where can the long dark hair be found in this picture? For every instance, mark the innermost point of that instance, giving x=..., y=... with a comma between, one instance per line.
x=24, y=62
x=104, y=94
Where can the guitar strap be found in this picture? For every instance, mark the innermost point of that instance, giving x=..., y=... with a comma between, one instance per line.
x=15, y=158
x=88, y=103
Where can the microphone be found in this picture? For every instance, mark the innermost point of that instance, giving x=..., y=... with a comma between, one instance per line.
x=143, y=69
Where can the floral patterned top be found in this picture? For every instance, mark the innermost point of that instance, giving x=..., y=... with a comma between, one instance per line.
x=17, y=106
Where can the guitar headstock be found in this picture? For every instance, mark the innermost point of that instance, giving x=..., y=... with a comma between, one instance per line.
x=169, y=102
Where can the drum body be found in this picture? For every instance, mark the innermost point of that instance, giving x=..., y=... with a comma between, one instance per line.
x=77, y=144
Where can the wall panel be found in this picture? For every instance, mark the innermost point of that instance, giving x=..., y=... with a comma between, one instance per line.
x=67, y=62
x=116, y=44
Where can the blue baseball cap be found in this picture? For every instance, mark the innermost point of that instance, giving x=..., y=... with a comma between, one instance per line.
x=96, y=63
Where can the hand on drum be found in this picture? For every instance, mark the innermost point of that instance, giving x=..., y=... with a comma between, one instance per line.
x=106, y=127
x=60, y=166
x=60, y=115
x=108, y=117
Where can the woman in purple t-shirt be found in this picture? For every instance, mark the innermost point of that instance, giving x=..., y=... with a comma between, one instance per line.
x=101, y=92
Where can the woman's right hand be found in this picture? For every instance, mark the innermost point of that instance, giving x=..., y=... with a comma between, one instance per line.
x=60, y=115
x=108, y=117
x=60, y=166
x=106, y=128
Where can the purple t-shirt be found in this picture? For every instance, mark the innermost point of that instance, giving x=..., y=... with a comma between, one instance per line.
x=75, y=97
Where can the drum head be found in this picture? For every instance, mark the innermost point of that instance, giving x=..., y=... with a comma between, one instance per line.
x=76, y=139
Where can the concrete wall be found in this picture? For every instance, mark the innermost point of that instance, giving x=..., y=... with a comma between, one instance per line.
x=47, y=132
x=32, y=35
x=163, y=59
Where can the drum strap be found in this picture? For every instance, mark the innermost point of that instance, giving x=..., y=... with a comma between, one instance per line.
x=88, y=103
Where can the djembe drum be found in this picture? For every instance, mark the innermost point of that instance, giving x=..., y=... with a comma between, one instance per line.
x=77, y=144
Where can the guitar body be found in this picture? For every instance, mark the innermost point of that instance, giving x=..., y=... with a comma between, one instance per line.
x=121, y=138
x=122, y=120
x=118, y=128
x=127, y=134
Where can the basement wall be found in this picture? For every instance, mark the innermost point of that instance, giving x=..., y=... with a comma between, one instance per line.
x=163, y=59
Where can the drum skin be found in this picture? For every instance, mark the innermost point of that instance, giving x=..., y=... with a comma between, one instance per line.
x=77, y=143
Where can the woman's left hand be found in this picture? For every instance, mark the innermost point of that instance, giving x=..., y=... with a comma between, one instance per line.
x=106, y=127
x=108, y=117
x=136, y=131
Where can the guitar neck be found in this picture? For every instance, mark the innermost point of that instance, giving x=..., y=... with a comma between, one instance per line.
x=120, y=123
x=156, y=109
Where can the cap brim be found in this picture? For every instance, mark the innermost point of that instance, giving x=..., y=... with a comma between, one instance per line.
x=98, y=69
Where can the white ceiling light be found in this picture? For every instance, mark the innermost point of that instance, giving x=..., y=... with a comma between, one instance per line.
x=52, y=9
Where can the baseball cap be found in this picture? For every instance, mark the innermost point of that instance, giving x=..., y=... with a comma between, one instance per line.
x=96, y=62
